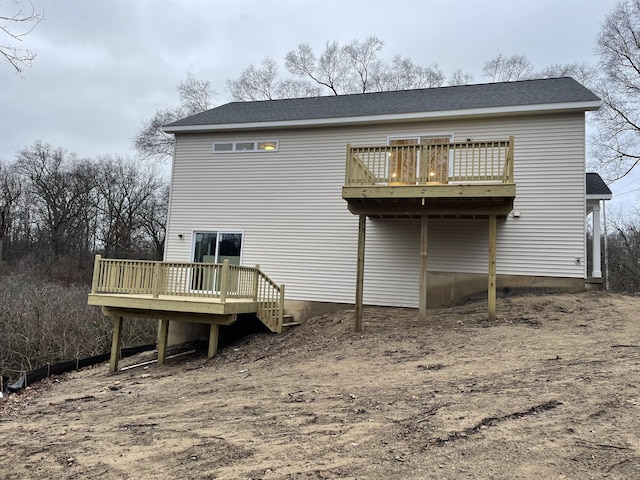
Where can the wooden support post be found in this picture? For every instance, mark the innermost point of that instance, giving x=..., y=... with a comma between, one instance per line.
x=163, y=335
x=422, y=304
x=491, y=290
x=362, y=226
x=115, y=344
x=224, y=281
x=214, y=333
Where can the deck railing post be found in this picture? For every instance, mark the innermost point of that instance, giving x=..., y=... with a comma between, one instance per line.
x=224, y=281
x=256, y=277
x=509, y=161
x=96, y=274
x=347, y=173
x=156, y=279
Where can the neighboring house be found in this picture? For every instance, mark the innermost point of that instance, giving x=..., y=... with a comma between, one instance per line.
x=292, y=184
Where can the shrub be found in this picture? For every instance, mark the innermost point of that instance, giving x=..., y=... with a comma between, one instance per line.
x=42, y=322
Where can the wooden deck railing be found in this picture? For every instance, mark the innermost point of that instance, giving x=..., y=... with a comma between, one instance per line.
x=215, y=281
x=488, y=161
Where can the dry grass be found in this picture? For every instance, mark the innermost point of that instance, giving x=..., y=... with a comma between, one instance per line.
x=42, y=322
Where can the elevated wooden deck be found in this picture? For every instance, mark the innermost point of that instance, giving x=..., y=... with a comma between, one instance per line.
x=425, y=179
x=213, y=294
x=456, y=179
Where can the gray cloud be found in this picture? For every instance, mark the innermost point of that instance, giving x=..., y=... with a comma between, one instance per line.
x=103, y=67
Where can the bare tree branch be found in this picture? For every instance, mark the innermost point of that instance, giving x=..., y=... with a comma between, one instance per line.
x=15, y=26
x=195, y=97
x=460, y=78
x=617, y=143
x=338, y=70
x=508, y=69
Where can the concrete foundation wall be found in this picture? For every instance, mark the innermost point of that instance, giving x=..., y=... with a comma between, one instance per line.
x=445, y=288
x=182, y=332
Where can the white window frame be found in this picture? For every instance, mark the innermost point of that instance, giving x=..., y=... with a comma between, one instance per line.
x=256, y=144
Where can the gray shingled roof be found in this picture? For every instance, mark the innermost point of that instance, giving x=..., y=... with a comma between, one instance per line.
x=488, y=95
x=596, y=186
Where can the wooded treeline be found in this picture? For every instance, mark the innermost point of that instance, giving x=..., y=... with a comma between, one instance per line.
x=623, y=248
x=58, y=210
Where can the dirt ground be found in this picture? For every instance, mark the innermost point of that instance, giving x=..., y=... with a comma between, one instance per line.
x=550, y=390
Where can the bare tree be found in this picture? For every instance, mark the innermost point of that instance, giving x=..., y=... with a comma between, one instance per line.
x=618, y=140
x=154, y=220
x=583, y=72
x=61, y=190
x=16, y=25
x=508, y=69
x=460, y=78
x=196, y=96
x=363, y=56
x=262, y=83
x=356, y=68
x=10, y=191
x=352, y=68
x=256, y=83
x=330, y=70
x=403, y=74
x=129, y=206
x=624, y=252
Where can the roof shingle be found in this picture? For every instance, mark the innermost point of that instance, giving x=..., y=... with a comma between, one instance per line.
x=596, y=186
x=487, y=95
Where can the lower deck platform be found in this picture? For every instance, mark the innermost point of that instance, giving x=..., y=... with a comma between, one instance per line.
x=165, y=291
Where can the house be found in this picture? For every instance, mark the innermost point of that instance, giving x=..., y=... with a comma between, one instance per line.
x=405, y=198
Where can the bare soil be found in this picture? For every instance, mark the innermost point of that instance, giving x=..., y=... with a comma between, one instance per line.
x=550, y=390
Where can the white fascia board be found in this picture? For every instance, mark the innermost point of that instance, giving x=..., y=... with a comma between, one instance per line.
x=604, y=196
x=400, y=117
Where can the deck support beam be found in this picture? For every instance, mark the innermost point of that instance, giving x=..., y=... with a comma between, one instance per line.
x=424, y=235
x=163, y=334
x=362, y=226
x=491, y=287
x=115, y=344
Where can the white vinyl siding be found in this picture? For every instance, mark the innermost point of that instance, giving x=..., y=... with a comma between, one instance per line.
x=297, y=227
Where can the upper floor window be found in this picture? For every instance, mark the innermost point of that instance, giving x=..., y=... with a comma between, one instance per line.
x=246, y=146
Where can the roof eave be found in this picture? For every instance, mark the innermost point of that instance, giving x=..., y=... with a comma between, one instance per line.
x=599, y=196
x=402, y=117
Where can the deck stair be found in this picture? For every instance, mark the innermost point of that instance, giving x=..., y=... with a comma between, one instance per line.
x=288, y=322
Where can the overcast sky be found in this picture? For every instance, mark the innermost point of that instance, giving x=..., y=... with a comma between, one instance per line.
x=104, y=66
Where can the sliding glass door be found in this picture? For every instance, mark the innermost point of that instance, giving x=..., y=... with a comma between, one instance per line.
x=214, y=247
